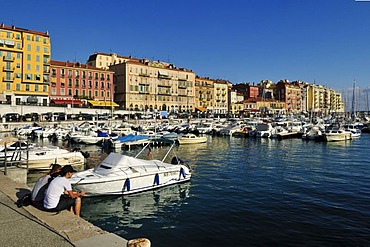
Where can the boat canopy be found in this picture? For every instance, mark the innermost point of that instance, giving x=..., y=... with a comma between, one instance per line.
x=118, y=162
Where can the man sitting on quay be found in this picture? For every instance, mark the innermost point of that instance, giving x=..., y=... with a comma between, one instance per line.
x=60, y=196
x=38, y=191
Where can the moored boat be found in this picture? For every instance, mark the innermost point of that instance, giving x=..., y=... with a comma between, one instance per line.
x=337, y=134
x=191, y=139
x=120, y=174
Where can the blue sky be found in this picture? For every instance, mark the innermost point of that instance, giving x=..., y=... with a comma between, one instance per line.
x=326, y=41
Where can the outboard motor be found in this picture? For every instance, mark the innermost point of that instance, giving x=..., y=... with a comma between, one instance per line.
x=176, y=160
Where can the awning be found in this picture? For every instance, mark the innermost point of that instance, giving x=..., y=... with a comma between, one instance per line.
x=67, y=101
x=202, y=109
x=106, y=103
x=163, y=73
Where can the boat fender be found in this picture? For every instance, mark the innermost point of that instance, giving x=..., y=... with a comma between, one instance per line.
x=182, y=173
x=127, y=185
x=156, y=179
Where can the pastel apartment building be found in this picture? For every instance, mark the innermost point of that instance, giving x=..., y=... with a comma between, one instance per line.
x=81, y=84
x=24, y=65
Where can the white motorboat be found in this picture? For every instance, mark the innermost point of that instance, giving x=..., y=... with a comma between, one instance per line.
x=337, y=134
x=191, y=139
x=40, y=158
x=120, y=174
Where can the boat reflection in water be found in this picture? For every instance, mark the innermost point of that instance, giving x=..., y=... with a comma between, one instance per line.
x=122, y=214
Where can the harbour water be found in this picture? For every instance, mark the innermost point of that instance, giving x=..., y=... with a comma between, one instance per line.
x=251, y=192
x=247, y=192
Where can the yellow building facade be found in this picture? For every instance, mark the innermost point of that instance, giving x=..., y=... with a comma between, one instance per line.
x=24, y=65
x=144, y=85
x=204, y=94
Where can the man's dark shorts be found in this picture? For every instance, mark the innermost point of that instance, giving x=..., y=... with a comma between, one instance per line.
x=65, y=202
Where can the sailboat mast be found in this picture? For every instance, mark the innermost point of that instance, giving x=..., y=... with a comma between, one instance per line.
x=354, y=100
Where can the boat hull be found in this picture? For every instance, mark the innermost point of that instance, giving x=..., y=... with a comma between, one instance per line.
x=125, y=184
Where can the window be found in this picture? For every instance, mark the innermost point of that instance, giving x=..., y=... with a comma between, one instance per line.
x=102, y=94
x=77, y=83
x=96, y=84
x=18, y=55
x=37, y=48
x=18, y=87
x=19, y=46
x=28, y=76
x=70, y=92
x=18, y=36
x=18, y=75
x=45, y=40
x=28, y=37
x=76, y=94
x=37, y=77
x=70, y=73
x=8, y=76
x=36, y=88
x=27, y=87
x=37, y=67
x=62, y=72
x=102, y=84
x=8, y=35
x=37, y=39
x=69, y=82
x=18, y=65
x=28, y=57
x=7, y=86
x=28, y=66
x=46, y=50
x=29, y=47
x=62, y=91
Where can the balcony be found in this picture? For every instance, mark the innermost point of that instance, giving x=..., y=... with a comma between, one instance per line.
x=8, y=58
x=164, y=93
x=144, y=82
x=8, y=69
x=144, y=74
x=182, y=78
x=163, y=84
x=182, y=85
x=8, y=79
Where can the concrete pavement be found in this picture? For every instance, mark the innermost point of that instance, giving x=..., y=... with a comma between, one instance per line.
x=29, y=226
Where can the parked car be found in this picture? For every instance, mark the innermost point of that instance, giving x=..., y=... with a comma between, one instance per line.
x=30, y=117
x=12, y=117
x=85, y=116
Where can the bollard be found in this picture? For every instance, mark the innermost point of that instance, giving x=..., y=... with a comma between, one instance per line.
x=138, y=242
